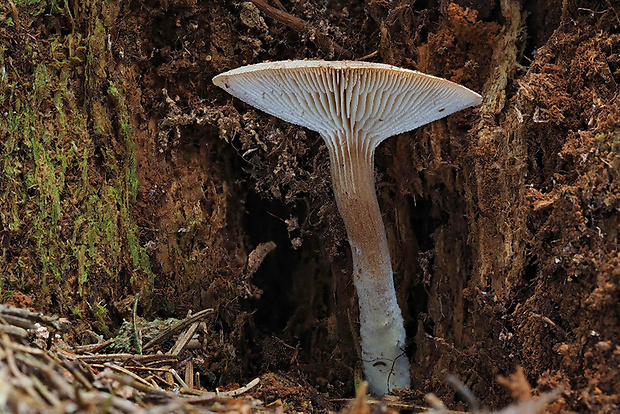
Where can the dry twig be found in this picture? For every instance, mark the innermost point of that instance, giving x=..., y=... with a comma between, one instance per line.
x=184, y=339
x=14, y=13
x=241, y=390
x=136, y=331
x=91, y=348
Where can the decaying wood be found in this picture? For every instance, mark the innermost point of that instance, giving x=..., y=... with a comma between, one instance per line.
x=256, y=257
x=489, y=134
x=305, y=28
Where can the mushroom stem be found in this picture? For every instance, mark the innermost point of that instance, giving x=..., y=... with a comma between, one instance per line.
x=381, y=323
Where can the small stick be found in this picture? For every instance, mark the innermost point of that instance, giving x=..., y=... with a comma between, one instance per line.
x=370, y=55
x=4, y=340
x=118, y=368
x=241, y=390
x=302, y=26
x=183, y=340
x=166, y=383
x=77, y=372
x=126, y=380
x=135, y=367
x=124, y=357
x=592, y=11
x=550, y=323
x=178, y=378
x=91, y=348
x=170, y=360
x=197, y=378
x=200, y=399
x=14, y=12
x=42, y=389
x=614, y=10
x=18, y=321
x=169, y=377
x=193, y=392
x=14, y=330
x=189, y=374
x=200, y=392
x=8, y=311
x=153, y=382
x=136, y=331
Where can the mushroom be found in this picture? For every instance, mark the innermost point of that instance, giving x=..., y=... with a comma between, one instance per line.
x=354, y=106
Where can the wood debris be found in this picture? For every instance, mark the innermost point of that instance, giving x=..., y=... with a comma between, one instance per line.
x=81, y=380
x=39, y=374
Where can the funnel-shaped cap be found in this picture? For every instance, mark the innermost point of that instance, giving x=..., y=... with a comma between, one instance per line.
x=347, y=98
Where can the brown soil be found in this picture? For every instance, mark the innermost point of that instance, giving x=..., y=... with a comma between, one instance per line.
x=124, y=171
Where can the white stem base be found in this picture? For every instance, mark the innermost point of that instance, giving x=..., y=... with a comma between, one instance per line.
x=382, y=333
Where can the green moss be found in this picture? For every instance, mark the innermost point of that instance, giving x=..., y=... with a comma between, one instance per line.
x=102, y=319
x=126, y=130
x=608, y=142
x=68, y=175
x=75, y=311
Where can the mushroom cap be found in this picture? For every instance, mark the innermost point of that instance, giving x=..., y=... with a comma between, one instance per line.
x=347, y=98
